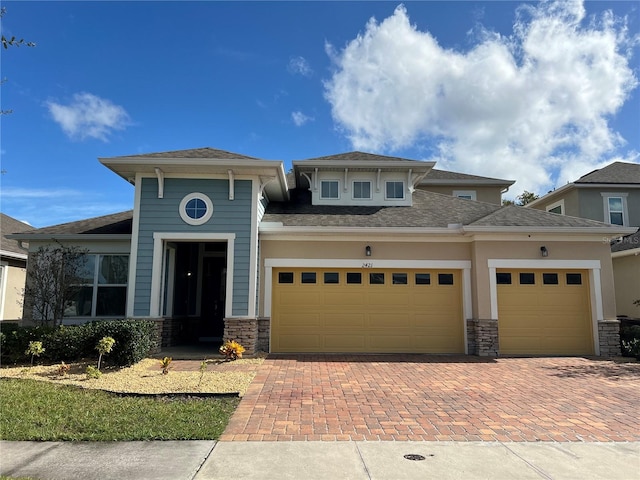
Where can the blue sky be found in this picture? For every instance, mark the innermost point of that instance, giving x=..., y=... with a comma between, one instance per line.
x=540, y=93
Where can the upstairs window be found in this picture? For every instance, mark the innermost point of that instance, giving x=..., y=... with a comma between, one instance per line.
x=329, y=189
x=616, y=213
x=557, y=207
x=466, y=194
x=395, y=190
x=361, y=190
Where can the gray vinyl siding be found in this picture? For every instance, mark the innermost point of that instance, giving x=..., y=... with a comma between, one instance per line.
x=162, y=215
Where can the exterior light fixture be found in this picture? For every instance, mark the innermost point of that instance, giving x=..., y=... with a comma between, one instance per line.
x=543, y=251
x=367, y=251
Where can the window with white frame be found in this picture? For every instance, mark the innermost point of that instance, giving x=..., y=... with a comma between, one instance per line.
x=394, y=190
x=102, y=291
x=361, y=189
x=196, y=208
x=329, y=189
x=615, y=208
x=557, y=207
x=466, y=194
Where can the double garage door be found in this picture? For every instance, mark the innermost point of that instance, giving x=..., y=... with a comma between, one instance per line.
x=544, y=312
x=367, y=310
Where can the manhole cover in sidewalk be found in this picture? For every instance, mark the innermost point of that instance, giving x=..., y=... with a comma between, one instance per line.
x=415, y=456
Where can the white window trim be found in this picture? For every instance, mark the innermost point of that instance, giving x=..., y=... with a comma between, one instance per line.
x=196, y=221
x=394, y=198
x=324, y=180
x=593, y=266
x=465, y=193
x=560, y=204
x=464, y=265
x=353, y=190
x=607, y=214
x=159, y=241
x=4, y=271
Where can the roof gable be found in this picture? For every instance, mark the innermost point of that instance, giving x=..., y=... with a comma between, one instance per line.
x=617, y=172
x=114, y=224
x=9, y=225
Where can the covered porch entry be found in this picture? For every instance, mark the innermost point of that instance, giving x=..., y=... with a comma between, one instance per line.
x=195, y=280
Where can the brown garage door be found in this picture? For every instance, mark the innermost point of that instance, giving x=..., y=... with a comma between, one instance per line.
x=366, y=310
x=544, y=312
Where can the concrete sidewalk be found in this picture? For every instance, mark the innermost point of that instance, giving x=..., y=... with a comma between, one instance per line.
x=208, y=460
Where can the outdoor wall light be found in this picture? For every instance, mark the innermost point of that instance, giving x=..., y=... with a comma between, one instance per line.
x=543, y=251
x=367, y=251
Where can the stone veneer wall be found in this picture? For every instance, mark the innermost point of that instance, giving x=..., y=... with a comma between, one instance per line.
x=486, y=334
x=244, y=331
x=472, y=344
x=264, y=330
x=609, y=335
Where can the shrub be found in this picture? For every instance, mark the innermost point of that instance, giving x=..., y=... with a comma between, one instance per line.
x=134, y=339
x=165, y=364
x=93, y=372
x=35, y=349
x=105, y=345
x=630, y=340
x=232, y=350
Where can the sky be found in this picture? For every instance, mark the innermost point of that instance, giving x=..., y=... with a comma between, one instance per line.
x=541, y=93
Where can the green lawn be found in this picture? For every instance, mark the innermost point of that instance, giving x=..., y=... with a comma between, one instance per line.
x=33, y=410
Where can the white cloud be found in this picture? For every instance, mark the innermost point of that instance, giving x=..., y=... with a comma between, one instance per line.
x=533, y=106
x=300, y=118
x=89, y=116
x=300, y=66
x=18, y=193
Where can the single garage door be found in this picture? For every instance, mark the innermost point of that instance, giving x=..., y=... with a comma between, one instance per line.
x=544, y=312
x=367, y=310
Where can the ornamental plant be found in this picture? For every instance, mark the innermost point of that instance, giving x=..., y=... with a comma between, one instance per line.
x=63, y=369
x=35, y=349
x=93, y=372
x=232, y=350
x=165, y=364
x=105, y=345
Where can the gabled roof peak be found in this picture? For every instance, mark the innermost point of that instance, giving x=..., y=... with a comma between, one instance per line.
x=616, y=172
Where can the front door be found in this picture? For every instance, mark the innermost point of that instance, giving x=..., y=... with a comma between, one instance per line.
x=213, y=298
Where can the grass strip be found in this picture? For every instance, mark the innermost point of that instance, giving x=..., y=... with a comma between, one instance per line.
x=41, y=411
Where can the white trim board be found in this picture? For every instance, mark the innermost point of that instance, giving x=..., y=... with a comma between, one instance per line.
x=159, y=239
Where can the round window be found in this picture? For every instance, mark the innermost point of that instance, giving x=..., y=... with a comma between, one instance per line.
x=196, y=208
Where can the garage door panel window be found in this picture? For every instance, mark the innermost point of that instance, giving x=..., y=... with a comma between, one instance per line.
x=308, y=277
x=527, y=278
x=574, y=279
x=423, y=279
x=285, y=277
x=399, y=278
x=445, y=279
x=503, y=278
x=354, y=278
x=376, y=278
x=550, y=278
x=331, y=278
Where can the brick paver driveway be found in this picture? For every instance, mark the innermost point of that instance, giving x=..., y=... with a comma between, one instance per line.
x=418, y=397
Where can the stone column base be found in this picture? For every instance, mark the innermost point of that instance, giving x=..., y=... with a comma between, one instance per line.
x=482, y=337
x=609, y=336
x=244, y=331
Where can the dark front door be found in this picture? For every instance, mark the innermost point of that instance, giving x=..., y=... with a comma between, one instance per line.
x=213, y=298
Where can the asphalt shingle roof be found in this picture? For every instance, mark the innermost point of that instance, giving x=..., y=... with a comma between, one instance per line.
x=114, y=224
x=436, y=174
x=617, y=172
x=206, y=152
x=358, y=156
x=428, y=210
x=629, y=242
x=9, y=225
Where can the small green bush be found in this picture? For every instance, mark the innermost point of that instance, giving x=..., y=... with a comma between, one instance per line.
x=630, y=340
x=134, y=339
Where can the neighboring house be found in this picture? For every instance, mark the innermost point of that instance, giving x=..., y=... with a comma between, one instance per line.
x=356, y=257
x=13, y=268
x=610, y=195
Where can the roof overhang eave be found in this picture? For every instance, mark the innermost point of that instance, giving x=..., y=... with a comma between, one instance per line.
x=626, y=253
x=267, y=228
x=71, y=236
x=13, y=255
x=609, y=231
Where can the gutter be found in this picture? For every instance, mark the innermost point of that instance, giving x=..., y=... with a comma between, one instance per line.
x=68, y=236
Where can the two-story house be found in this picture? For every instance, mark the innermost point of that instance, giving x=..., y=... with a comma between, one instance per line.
x=610, y=195
x=355, y=254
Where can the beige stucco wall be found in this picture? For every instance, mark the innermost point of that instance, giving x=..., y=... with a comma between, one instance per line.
x=626, y=272
x=12, y=298
x=558, y=250
x=479, y=252
x=381, y=250
x=483, y=194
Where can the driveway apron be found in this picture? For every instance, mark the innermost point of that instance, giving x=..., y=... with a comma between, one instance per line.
x=443, y=398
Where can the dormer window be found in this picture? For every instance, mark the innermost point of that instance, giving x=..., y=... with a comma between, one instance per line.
x=362, y=190
x=329, y=189
x=394, y=190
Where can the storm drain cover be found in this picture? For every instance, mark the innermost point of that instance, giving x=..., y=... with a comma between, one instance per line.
x=414, y=456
